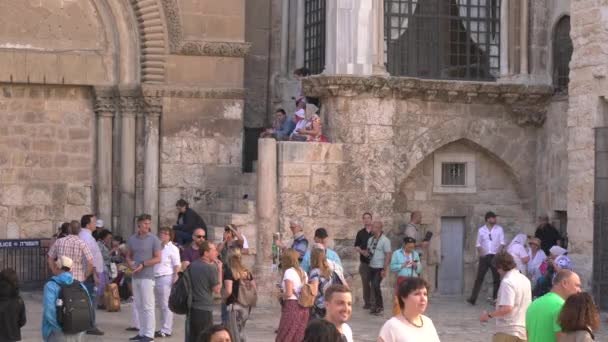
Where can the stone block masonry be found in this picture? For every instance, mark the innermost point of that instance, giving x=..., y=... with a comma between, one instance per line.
x=46, y=158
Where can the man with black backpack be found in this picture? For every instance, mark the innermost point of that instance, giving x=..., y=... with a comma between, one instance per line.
x=67, y=310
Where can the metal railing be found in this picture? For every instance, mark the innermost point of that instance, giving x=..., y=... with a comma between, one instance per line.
x=28, y=258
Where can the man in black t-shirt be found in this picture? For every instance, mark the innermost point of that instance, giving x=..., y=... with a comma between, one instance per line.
x=548, y=235
x=361, y=246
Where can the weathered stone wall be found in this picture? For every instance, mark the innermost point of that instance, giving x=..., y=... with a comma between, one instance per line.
x=46, y=158
x=495, y=190
x=552, y=160
x=587, y=70
x=201, y=138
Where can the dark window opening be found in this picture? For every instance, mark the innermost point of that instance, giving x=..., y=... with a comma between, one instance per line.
x=562, y=53
x=453, y=174
x=444, y=39
x=314, y=35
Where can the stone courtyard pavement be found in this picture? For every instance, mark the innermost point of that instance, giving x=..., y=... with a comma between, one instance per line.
x=455, y=321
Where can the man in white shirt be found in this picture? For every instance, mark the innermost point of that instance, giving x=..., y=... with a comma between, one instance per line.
x=165, y=274
x=98, y=278
x=490, y=240
x=514, y=297
x=339, y=307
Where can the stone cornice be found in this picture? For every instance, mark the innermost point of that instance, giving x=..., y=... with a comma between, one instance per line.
x=528, y=103
x=213, y=48
x=195, y=92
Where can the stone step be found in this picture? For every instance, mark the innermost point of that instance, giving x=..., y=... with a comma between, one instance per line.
x=219, y=218
x=233, y=205
x=235, y=191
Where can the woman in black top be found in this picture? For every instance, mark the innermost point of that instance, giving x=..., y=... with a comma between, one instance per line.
x=12, y=307
x=235, y=276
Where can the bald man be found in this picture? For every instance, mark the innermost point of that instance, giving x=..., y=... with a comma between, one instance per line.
x=542, y=314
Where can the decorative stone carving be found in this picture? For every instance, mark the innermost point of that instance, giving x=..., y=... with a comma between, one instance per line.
x=528, y=103
x=178, y=46
x=148, y=14
x=196, y=92
x=105, y=101
x=153, y=105
x=174, y=26
x=209, y=48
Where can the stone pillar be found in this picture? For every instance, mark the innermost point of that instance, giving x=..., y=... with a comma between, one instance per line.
x=504, y=38
x=349, y=47
x=129, y=106
x=267, y=204
x=523, y=39
x=104, y=108
x=301, y=10
x=153, y=111
x=378, y=39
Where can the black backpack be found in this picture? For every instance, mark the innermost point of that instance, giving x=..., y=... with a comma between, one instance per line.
x=74, y=311
x=180, y=299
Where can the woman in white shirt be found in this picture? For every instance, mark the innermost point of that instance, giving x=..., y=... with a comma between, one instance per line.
x=518, y=251
x=293, y=316
x=410, y=325
x=537, y=257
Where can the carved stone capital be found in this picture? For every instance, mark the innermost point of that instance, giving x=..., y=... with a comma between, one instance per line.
x=153, y=105
x=529, y=114
x=105, y=101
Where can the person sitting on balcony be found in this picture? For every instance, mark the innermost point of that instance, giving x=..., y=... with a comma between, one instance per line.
x=281, y=127
x=313, y=130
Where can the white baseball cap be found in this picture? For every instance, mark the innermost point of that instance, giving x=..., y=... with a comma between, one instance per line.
x=64, y=261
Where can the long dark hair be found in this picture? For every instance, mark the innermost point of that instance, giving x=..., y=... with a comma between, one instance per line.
x=206, y=335
x=578, y=313
x=320, y=330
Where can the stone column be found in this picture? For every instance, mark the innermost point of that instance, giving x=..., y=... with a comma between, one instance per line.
x=153, y=111
x=129, y=106
x=301, y=10
x=104, y=108
x=504, y=38
x=349, y=47
x=267, y=204
x=523, y=39
x=378, y=39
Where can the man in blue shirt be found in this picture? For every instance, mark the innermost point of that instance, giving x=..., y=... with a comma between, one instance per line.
x=281, y=127
x=322, y=238
x=51, y=330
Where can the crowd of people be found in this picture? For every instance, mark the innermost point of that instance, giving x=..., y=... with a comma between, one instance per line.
x=316, y=300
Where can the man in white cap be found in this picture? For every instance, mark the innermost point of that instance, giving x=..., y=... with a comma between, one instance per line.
x=98, y=228
x=51, y=330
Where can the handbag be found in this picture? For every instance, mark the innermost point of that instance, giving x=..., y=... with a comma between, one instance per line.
x=248, y=292
x=307, y=297
x=180, y=299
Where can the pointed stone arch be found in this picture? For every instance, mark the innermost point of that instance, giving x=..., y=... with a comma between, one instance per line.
x=508, y=151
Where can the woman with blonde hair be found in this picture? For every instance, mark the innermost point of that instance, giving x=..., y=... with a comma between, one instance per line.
x=293, y=316
x=319, y=277
x=235, y=276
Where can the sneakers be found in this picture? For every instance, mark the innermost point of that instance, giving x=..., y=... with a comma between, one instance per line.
x=146, y=339
x=136, y=338
x=161, y=334
x=95, y=331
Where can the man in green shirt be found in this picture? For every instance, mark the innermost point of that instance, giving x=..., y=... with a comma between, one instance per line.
x=541, y=317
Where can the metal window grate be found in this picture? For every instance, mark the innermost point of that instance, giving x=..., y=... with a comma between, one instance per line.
x=314, y=35
x=453, y=174
x=562, y=53
x=444, y=39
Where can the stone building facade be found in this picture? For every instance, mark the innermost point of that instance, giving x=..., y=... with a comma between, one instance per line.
x=123, y=107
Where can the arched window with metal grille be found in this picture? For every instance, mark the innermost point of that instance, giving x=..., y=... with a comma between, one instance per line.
x=562, y=53
x=314, y=35
x=444, y=39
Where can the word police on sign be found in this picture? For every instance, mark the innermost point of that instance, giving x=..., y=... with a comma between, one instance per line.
x=19, y=243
